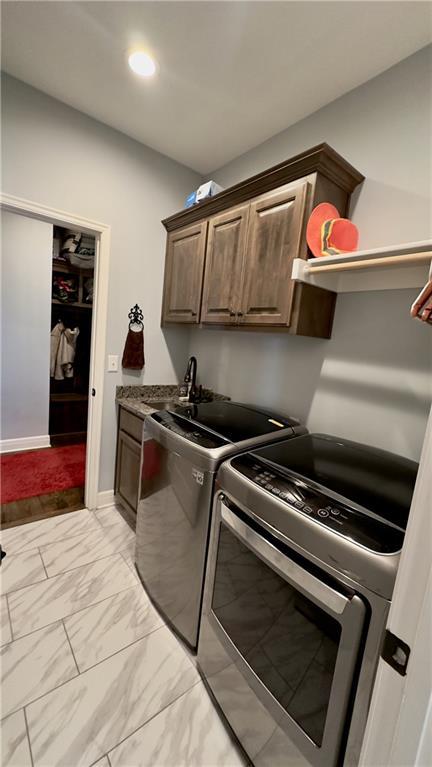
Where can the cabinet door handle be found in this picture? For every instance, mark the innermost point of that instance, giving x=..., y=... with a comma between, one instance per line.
x=240, y=314
x=232, y=313
x=194, y=314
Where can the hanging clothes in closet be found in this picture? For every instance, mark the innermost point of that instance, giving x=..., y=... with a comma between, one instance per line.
x=63, y=348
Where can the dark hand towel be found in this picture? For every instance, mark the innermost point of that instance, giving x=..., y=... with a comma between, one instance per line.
x=133, y=354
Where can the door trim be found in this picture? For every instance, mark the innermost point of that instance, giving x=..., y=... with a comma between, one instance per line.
x=102, y=234
x=400, y=712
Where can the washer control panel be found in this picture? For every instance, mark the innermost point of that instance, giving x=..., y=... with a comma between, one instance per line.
x=360, y=527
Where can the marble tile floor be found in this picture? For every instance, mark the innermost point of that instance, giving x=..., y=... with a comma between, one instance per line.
x=90, y=674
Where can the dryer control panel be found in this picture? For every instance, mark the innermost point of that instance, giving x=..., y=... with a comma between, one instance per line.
x=362, y=527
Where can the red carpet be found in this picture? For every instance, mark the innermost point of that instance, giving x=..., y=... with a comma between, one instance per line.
x=36, y=472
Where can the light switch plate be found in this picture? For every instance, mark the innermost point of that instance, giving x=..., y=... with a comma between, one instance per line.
x=112, y=363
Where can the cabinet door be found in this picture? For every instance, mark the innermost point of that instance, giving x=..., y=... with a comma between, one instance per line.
x=275, y=225
x=128, y=469
x=224, y=258
x=184, y=269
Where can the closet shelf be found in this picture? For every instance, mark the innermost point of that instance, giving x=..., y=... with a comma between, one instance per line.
x=71, y=304
x=394, y=267
x=63, y=266
x=68, y=397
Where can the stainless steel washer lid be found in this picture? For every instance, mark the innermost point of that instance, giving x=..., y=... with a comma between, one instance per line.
x=182, y=429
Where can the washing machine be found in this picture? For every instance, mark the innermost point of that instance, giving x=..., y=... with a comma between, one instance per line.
x=182, y=450
x=304, y=549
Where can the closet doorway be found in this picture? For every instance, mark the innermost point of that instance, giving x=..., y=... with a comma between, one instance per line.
x=70, y=341
x=51, y=422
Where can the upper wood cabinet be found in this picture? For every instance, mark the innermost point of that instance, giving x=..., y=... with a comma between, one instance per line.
x=224, y=263
x=232, y=264
x=184, y=270
x=275, y=226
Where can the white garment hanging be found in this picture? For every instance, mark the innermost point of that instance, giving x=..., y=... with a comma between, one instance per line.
x=65, y=353
x=56, y=334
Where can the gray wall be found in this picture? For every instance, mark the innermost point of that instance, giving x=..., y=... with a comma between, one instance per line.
x=372, y=381
x=384, y=128
x=57, y=156
x=26, y=263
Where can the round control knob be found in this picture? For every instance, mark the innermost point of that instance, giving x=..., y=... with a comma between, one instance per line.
x=323, y=513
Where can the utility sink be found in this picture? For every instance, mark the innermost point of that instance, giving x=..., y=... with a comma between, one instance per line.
x=160, y=404
x=168, y=404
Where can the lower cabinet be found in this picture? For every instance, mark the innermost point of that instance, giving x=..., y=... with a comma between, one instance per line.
x=128, y=470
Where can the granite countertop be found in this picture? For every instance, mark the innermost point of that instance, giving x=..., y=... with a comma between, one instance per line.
x=131, y=397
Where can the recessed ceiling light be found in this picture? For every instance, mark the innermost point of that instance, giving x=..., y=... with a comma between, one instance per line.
x=142, y=64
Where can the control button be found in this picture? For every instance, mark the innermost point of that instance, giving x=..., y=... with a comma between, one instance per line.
x=269, y=487
x=307, y=509
x=335, y=512
x=284, y=496
x=323, y=513
x=298, y=504
x=276, y=491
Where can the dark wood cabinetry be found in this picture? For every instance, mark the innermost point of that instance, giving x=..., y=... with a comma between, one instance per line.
x=128, y=461
x=275, y=224
x=232, y=266
x=225, y=253
x=128, y=468
x=184, y=270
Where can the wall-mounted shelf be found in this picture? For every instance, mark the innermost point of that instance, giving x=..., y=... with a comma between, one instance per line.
x=395, y=267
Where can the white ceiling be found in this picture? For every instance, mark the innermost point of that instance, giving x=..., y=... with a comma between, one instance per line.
x=231, y=74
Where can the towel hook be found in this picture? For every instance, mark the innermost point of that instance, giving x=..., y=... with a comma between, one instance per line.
x=136, y=316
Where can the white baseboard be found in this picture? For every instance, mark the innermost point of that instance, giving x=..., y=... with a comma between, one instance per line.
x=105, y=498
x=24, y=443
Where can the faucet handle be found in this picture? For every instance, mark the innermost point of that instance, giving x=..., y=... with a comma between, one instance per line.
x=195, y=395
